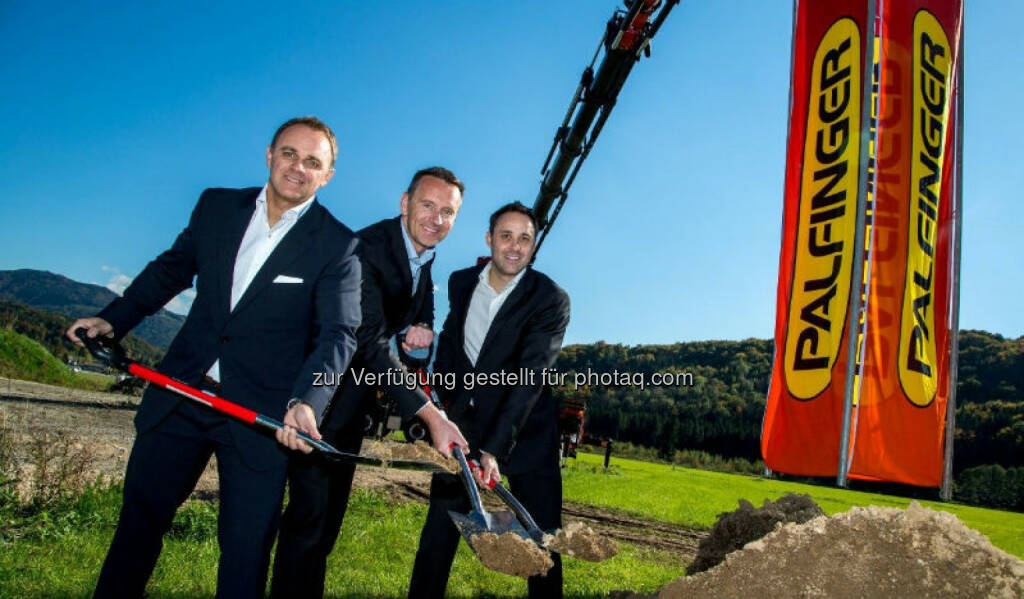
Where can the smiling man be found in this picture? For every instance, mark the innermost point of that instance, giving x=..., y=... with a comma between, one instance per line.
x=504, y=317
x=277, y=300
x=397, y=295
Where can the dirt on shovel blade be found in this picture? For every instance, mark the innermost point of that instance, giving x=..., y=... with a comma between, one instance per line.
x=580, y=541
x=511, y=554
x=418, y=451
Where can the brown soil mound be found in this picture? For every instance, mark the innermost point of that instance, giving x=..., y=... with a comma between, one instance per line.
x=735, y=529
x=511, y=554
x=865, y=552
x=580, y=541
x=418, y=451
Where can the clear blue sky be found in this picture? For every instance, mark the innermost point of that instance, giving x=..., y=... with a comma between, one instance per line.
x=114, y=118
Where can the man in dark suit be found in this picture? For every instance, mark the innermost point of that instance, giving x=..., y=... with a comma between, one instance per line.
x=397, y=295
x=277, y=300
x=504, y=317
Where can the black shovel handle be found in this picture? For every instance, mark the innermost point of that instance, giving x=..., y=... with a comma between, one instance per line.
x=104, y=349
x=467, y=480
x=518, y=508
x=524, y=516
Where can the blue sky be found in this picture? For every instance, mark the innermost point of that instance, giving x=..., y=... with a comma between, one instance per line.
x=116, y=117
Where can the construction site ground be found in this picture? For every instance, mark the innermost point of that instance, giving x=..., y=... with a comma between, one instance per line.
x=102, y=424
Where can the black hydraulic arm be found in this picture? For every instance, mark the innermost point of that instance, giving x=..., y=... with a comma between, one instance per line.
x=627, y=36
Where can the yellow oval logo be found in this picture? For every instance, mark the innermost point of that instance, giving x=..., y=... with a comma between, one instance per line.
x=932, y=68
x=826, y=224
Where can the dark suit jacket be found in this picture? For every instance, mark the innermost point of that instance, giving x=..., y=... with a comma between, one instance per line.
x=517, y=424
x=278, y=335
x=389, y=306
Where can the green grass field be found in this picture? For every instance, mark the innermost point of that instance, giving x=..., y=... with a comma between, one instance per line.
x=58, y=554
x=373, y=557
x=695, y=497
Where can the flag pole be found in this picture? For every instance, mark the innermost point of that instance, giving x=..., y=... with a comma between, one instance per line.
x=946, y=491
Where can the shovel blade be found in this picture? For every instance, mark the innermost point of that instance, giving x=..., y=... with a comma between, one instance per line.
x=498, y=523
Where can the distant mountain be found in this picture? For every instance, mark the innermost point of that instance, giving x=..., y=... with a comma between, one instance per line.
x=57, y=293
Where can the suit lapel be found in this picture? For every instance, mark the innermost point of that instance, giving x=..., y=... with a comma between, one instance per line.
x=294, y=244
x=399, y=252
x=231, y=239
x=460, y=304
x=502, y=317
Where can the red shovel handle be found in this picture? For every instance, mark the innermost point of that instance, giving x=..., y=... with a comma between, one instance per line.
x=221, y=405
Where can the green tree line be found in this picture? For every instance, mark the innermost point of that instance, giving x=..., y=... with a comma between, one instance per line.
x=721, y=412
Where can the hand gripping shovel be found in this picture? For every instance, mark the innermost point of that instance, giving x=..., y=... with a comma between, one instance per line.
x=479, y=520
x=529, y=525
x=113, y=354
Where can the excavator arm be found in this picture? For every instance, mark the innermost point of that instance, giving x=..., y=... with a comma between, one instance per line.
x=626, y=38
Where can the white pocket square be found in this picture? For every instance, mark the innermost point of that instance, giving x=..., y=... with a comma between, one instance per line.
x=286, y=279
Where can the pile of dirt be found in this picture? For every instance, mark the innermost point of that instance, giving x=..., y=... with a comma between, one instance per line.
x=511, y=554
x=580, y=541
x=865, y=552
x=735, y=529
x=418, y=451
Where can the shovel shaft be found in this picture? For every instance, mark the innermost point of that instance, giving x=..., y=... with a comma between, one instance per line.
x=524, y=516
x=221, y=405
x=467, y=480
x=112, y=354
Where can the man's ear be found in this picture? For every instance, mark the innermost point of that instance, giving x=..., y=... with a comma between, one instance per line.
x=404, y=204
x=328, y=177
x=270, y=152
x=487, y=238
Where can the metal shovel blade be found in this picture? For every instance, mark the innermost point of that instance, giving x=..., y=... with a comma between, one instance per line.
x=476, y=523
x=479, y=520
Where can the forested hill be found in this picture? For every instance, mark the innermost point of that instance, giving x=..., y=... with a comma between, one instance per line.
x=47, y=329
x=57, y=293
x=721, y=411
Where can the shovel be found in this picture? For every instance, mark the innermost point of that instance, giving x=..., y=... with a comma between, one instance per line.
x=530, y=526
x=112, y=353
x=479, y=520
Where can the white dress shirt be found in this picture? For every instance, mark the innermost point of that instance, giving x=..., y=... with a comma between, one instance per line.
x=258, y=243
x=484, y=305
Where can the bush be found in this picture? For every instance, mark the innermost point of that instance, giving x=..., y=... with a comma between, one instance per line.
x=59, y=467
x=992, y=485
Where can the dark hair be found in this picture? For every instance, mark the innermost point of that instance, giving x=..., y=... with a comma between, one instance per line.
x=435, y=171
x=313, y=123
x=513, y=207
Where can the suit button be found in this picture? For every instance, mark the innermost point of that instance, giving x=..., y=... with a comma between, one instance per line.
x=224, y=338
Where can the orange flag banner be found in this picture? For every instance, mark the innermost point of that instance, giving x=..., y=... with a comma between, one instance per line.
x=899, y=427
x=803, y=416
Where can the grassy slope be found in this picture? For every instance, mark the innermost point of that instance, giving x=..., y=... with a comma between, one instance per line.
x=23, y=358
x=695, y=497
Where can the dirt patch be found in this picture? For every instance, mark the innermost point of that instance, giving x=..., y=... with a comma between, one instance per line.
x=735, y=529
x=95, y=423
x=865, y=552
x=418, y=451
x=511, y=554
x=580, y=541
